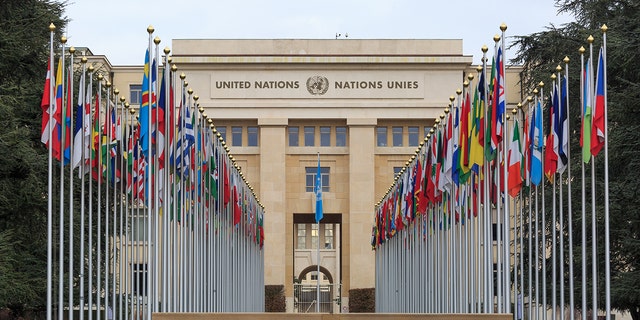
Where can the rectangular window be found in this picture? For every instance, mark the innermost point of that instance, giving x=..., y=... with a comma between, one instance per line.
x=325, y=136
x=396, y=170
x=397, y=136
x=302, y=236
x=414, y=138
x=252, y=136
x=223, y=133
x=138, y=228
x=426, y=131
x=341, y=136
x=294, y=136
x=135, y=93
x=310, y=178
x=139, y=278
x=309, y=136
x=236, y=136
x=314, y=238
x=328, y=236
x=381, y=136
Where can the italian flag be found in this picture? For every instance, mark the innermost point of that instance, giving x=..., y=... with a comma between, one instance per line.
x=515, y=163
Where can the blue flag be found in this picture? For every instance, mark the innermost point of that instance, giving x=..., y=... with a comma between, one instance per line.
x=318, y=191
x=536, y=145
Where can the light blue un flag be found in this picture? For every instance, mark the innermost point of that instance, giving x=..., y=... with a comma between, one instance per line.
x=318, y=191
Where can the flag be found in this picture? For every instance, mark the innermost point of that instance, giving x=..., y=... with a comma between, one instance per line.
x=47, y=109
x=563, y=126
x=143, y=116
x=81, y=120
x=515, y=163
x=464, y=144
x=96, y=151
x=597, y=130
x=585, y=136
x=57, y=115
x=67, y=121
x=476, y=138
x=536, y=145
x=318, y=192
x=491, y=140
x=498, y=91
x=551, y=146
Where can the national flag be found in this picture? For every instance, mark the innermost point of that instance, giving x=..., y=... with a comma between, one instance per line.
x=476, y=138
x=143, y=116
x=464, y=144
x=585, y=132
x=551, y=146
x=67, y=121
x=490, y=138
x=536, y=145
x=563, y=126
x=498, y=91
x=57, y=115
x=526, y=149
x=515, y=163
x=96, y=150
x=160, y=121
x=47, y=108
x=81, y=120
x=597, y=130
x=318, y=192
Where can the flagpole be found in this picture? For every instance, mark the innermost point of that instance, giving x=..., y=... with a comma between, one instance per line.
x=90, y=182
x=149, y=193
x=81, y=102
x=569, y=196
x=543, y=223
x=62, y=125
x=319, y=215
x=552, y=124
x=488, y=242
x=607, y=239
x=52, y=28
x=583, y=194
x=594, y=274
x=107, y=127
x=561, y=113
x=72, y=50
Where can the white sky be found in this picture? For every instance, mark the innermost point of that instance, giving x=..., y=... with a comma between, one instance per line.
x=117, y=28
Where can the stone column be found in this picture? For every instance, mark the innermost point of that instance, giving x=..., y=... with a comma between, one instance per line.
x=359, y=266
x=272, y=195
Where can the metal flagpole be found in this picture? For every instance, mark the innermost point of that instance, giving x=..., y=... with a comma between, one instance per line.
x=553, y=92
x=63, y=40
x=319, y=215
x=70, y=276
x=99, y=208
x=52, y=28
x=543, y=225
x=607, y=240
x=81, y=170
x=594, y=274
x=569, y=202
x=530, y=228
x=90, y=221
x=561, y=204
x=107, y=127
x=506, y=244
x=583, y=89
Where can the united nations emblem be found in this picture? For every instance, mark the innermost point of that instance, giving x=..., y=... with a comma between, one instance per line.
x=317, y=85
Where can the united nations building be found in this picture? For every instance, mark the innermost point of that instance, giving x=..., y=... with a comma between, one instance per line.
x=358, y=107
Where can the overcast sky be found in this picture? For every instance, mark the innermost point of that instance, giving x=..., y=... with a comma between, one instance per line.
x=117, y=28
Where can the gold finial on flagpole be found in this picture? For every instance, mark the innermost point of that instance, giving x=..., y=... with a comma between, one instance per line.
x=122, y=99
x=186, y=84
x=72, y=50
x=529, y=98
x=63, y=39
x=541, y=84
x=190, y=91
x=566, y=59
x=116, y=91
x=470, y=76
x=196, y=97
x=519, y=106
x=503, y=27
x=451, y=98
x=590, y=39
x=446, y=111
x=156, y=40
x=553, y=76
x=484, y=48
x=458, y=91
x=83, y=60
x=535, y=91
x=127, y=105
x=604, y=28
x=465, y=83
x=558, y=68
x=108, y=84
x=204, y=115
x=496, y=38
x=52, y=27
x=150, y=29
x=90, y=68
x=132, y=111
x=200, y=109
x=508, y=117
x=515, y=110
x=174, y=68
x=100, y=76
x=167, y=50
x=582, y=50
x=182, y=76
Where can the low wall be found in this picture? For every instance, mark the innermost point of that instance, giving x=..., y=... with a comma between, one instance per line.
x=325, y=316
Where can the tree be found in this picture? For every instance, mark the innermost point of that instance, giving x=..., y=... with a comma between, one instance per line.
x=24, y=48
x=539, y=53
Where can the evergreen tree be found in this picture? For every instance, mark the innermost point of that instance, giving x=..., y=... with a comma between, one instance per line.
x=24, y=49
x=539, y=53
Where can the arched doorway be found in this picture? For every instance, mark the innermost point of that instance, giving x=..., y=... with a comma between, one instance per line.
x=305, y=291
